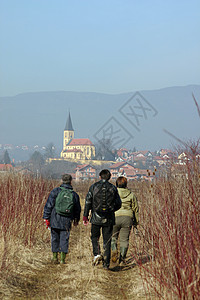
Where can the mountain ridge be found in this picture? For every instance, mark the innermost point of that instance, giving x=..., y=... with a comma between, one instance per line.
x=40, y=117
x=103, y=93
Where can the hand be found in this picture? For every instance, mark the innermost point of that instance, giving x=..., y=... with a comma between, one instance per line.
x=85, y=221
x=47, y=223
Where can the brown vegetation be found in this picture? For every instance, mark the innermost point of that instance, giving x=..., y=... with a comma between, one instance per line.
x=163, y=260
x=170, y=232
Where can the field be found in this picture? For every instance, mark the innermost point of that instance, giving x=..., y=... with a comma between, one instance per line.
x=163, y=258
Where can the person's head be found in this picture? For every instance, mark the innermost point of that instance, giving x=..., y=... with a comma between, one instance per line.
x=67, y=178
x=105, y=174
x=121, y=182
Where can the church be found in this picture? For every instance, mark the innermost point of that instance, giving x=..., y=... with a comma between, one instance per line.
x=76, y=148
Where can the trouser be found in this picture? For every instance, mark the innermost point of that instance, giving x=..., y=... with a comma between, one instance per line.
x=60, y=239
x=121, y=229
x=107, y=235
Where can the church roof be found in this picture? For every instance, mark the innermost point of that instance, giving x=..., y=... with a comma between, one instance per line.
x=80, y=142
x=68, y=125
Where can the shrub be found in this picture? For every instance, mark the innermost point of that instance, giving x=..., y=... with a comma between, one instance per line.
x=21, y=204
x=170, y=234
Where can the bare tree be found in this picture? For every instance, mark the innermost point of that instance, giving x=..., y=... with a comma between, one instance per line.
x=50, y=151
x=105, y=150
x=36, y=162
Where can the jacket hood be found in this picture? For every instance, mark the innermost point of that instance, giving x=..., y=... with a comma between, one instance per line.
x=123, y=193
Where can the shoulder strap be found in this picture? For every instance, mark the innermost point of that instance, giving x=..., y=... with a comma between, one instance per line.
x=65, y=189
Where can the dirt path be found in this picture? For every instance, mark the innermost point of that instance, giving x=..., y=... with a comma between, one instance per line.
x=77, y=279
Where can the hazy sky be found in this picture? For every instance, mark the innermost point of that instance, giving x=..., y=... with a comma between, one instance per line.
x=109, y=46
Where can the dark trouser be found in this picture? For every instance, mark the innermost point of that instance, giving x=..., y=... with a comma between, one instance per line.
x=60, y=239
x=107, y=235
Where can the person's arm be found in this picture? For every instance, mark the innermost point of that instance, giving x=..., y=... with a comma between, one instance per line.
x=118, y=202
x=77, y=209
x=135, y=209
x=88, y=206
x=50, y=204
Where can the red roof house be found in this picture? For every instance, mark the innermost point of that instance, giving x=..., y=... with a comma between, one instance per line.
x=85, y=172
x=122, y=168
x=7, y=167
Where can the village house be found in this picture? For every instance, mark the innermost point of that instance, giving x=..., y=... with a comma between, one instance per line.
x=123, y=154
x=123, y=169
x=130, y=172
x=141, y=156
x=120, y=159
x=147, y=175
x=6, y=167
x=163, y=152
x=84, y=172
x=160, y=160
x=182, y=158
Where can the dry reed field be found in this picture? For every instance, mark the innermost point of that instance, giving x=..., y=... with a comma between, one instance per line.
x=163, y=258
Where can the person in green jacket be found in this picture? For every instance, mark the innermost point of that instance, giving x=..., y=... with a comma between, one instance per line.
x=126, y=217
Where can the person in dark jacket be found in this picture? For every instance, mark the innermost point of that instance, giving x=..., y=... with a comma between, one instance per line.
x=103, y=200
x=61, y=225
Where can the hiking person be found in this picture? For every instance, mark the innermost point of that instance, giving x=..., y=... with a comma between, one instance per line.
x=126, y=217
x=103, y=200
x=62, y=207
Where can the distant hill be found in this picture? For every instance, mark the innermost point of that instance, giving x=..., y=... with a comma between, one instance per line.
x=40, y=117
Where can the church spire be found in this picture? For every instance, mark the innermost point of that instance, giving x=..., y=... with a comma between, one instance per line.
x=68, y=132
x=68, y=125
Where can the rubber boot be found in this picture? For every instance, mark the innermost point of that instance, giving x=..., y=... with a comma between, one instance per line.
x=62, y=257
x=114, y=252
x=122, y=256
x=55, y=258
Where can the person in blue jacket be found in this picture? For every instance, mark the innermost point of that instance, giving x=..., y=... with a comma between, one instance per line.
x=60, y=225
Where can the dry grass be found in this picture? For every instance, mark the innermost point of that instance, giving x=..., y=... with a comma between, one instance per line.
x=26, y=271
x=163, y=261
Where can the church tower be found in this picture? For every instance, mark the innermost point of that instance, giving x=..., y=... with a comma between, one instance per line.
x=68, y=132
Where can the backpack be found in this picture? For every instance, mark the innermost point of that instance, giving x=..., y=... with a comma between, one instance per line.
x=64, y=202
x=103, y=198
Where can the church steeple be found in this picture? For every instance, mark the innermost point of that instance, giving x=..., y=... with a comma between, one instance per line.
x=68, y=125
x=68, y=132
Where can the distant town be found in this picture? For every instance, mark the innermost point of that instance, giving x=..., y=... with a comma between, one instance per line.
x=83, y=160
x=21, y=147
x=137, y=165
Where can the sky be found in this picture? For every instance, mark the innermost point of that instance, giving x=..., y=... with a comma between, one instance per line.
x=107, y=46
